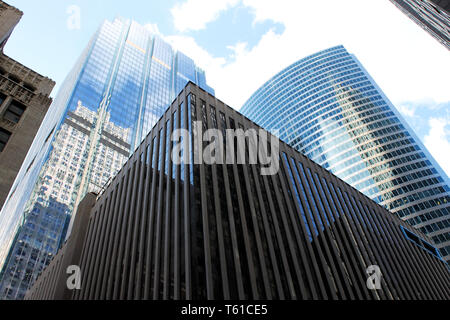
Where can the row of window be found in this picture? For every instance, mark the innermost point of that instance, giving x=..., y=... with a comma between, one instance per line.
x=433, y=227
x=295, y=73
x=427, y=205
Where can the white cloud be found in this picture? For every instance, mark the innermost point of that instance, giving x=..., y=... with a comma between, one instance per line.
x=223, y=75
x=153, y=28
x=238, y=49
x=406, y=110
x=195, y=14
x=406, y=62
x=437, y=142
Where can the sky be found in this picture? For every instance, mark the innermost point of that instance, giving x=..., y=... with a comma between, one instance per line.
x=242, y=43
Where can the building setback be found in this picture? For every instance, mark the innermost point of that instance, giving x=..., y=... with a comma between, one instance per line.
x=432, y=15
x=225, y=231
x=330, y=109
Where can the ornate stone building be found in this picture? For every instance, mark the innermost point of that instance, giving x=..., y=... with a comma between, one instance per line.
x=9, y=18
x=24, y=101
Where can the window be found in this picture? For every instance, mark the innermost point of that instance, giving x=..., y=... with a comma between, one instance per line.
x=4, y=137
x=14, y=112
x=2, y=98
x=14, y=78
x=49, y=135
x=29, y=87
x=420, y=242
x=29, y=167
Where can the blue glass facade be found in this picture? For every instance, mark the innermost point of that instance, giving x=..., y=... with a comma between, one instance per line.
x=121, y=85
x=330, y=109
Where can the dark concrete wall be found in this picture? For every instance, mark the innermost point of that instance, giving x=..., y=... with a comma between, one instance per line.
x=224, y=231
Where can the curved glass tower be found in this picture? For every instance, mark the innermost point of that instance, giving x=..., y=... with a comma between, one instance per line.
x=330, y=109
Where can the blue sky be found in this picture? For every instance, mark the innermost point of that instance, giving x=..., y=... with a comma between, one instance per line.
x=52, y=48
x=242, y=43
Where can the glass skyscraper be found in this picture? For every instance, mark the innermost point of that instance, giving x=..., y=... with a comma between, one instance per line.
x=121, y=85
x=329, y=108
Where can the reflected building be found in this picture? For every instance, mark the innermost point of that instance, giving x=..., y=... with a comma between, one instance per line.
x=88, y=151
x=120, y=86
x=35, y=244
x=329, y=108
x=73, y=165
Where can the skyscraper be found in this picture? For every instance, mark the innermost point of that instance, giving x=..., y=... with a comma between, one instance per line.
x=228, y=229
x=328, y=107
x=122, y=83
x=432, y=15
